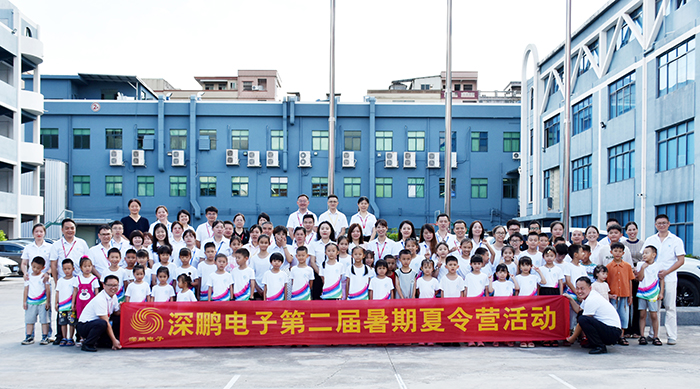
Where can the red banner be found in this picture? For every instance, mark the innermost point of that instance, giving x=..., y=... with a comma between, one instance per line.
x=257, y=323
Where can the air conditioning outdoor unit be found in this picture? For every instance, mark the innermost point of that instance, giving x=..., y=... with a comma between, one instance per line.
x=516, y=156
x=391, y=160
x=231, y=157
x=273, y=159
x=349, y=159
x=433, y=160
x=116, y=158
x=454, y=160
x=409, y=159
x=138, y=158
x=178, y=157
x=304, y=159
x=253, y=158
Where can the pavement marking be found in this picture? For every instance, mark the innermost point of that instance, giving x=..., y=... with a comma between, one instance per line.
x=232, y=381
x=568, y=385
x=400, y=380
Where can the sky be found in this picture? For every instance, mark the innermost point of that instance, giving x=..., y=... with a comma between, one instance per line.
x=377, y=41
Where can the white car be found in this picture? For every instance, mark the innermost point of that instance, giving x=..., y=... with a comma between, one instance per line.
x=12, y=266
x=688, y=291
x=4, y=272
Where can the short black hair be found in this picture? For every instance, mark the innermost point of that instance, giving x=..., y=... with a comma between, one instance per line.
x=69, y=220
x=244, y=252
x=652, y=247
x=130, y=251
x=40, y=261
x=404, y=252
x=615, y=227
x=185, y=252
x=113, y=277
x=114, y=250
x=584, y=279
x=381, y=263
x=450, y=258
x=476, y=258
x=211, y=208
x=302, y=249
x=209, y=244
x=276, y=257
x=617, y=245
x=599, y=269
x=573, y=249
x=66, y=261
x=165, y=249
x=142, y=253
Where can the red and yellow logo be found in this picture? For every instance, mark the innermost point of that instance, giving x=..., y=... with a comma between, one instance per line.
x=147, y=321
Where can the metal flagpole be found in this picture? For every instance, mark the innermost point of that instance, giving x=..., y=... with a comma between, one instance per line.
x=448, y=114
x=567, y=122
x=331, y=111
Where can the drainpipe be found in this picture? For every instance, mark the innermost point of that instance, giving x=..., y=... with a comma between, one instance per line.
x=284, y=135
x=372, y=156
x=196, y=209
x=161, y=133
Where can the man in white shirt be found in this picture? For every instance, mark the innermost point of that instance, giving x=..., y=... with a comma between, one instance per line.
x=205, y=231
x=94, y=322
x=296, y=219
x=597, y=318
x=671, y=256
x=335, y=217
x=69, y=246
x=443, y=233
x=98, y=253
x=606, y=240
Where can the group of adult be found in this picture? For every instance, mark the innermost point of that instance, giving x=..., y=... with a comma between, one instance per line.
x=97, y=322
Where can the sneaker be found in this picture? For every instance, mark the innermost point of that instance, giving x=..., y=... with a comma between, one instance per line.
x=599, y=350
x=471, y=344
x=531, y=345
x=79, y=343
x=524, y=344
x=671, y=341
x=479, y=344
x=88, y=348
x=28, y=340
x=57, y=341
x=44, y=341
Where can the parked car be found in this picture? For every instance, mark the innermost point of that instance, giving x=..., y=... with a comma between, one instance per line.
x=12, y=249
x=11, y=266
x=688, y=292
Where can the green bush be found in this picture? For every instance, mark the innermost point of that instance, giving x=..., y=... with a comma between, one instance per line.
x=2, y=236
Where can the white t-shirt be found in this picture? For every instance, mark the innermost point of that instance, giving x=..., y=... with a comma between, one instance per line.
x=317, y=248
x=381, y=249
x=300, y=278
x=359, y=282
x=186, y=296
x=332, y=275
x=528, y=284
x=162, y=293
x=667, y=252
x=177, y=246
x=574, y=273
x=99, y=257
x=138, y=293
x=337, y=220
x=601, y=309
x=476, y=284
x=296, y=219
x=122, y=245
x=36, y=294
x=603, y=288
x=65, y=289
x=171, y=271
x=427, y=289
x=32, y=251
x=190, y=271
x=241, y=283
x=452, y=288
x=503, y=289
x=650, y=287
x=416, y=263
x=537, y=260
x=605, y=256
x=260, y=266
x=101, y=305
x=366, y=223
x=222, y=247
x=121, y=274
x=61, y=250
x=381, y=288
x=221, y=286
x=449, y=239
x=551, y=276
x=275, y=283
x=194, y=260
x=205, y=270
x=204, y=232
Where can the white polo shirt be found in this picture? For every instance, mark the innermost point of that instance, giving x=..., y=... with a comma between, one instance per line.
x=296, y=219
x=32, y=251
x=667, y=252
x=101, y=305
x=337, y=220
x=381, y=250
x=597, y=306
x=61, y=250
x=204, y=232
x=100, y=257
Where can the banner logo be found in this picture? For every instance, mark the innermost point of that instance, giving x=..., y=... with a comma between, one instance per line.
x=147, y=321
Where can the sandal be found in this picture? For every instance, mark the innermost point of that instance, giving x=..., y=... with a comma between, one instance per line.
x=642, y=341
x=623, y=342
x=656, y=342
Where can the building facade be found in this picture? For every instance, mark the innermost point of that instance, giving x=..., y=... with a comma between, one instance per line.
x=21, y=157
x=253, y=85
x=633, y=110
x=254, y=157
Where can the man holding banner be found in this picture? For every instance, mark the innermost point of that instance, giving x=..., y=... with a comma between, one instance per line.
x=597, y=318
x=94, y=322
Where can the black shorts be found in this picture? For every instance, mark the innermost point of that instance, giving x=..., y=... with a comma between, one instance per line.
x=66, y=318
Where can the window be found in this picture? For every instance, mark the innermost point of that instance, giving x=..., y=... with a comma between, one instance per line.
x=109, y=94
x=625, y=36
x=207, y=186
x=510, y=188
x=457, y=87
x=480, y=141
x=384, y=140
x=247, y=85
x=49, y=138
x=416, y=140
x=383, y=186
x=581, y=174
x=276, y=139
x=585, y=63
x=551, y=131
x=468, y=87
x=547, y=181
x=319, y=140
x=677, y=67
x=532, y=140
x=453, y=188
x=622, y=95
x=319, y=186
x=416, y=187
x=81, y=138
x=278, y=186
x=113, y=185
x=622, y=216
x=351, y=186
x=621, y=162
x=212, y=137
x=208, y=86
x=511, y=142
x=675, y=146
x=178, y=186
x=555, y=85
x=239, y=139
x=582, y=221
x=113, y=138
x=141, y=133
x=424, y=86
x=239, y=186
x=145, y=186
x=81, y=185
x=353, y=140
x=680, y=215
x=480, y=188
x=454, y=141
x=531, y=191
x=582, y=116
x=178, y=139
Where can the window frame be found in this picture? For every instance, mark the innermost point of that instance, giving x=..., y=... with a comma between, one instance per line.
x=354, y=184
x=81, y=185
x=207, y=186
x=114, y=137
x=683, y=53
x=114, y=185
x=48, y=137
x=481, y=184
x=178, y=137
x=143, y=184
x=582, y=116
x=620, y=90
x=480, y=139
x=383, y=187
x=669, y=142
x=212, y=134
x=276, y=139
x=319, y=140
x=552, y=132
x=81, y=139
x=240, y=138
x=178, y=185
x=415, y=141
x=581, y=173
x=509, y=139
x=441, y=187
x=240, y=184
x=418, y=185
x=141, y=133
x=279, y=186
x=355, y=139
x=623, y=152
x=510, y=188
x=319, y=187
x=383, y=139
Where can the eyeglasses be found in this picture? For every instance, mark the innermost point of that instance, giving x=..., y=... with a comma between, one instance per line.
x=112, y=285
x=661, y=223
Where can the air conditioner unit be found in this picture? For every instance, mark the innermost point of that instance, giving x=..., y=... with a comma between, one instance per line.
x=391, y=160
x=258, y=87
x=138, y=158
x=253, y=158
x=516, y=156
x=433, y=161
x=116, y=158
x=409, y=159
x=349, y=159
x=273, y=159
x=304, y=159
x=178, y=157
x=454, y=160
x=231, y=157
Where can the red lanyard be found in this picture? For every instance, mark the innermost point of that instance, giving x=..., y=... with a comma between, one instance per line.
x=64, y=248
x=103, y=253
x=300, y=219
x=210, y=233
x=383, y=247
x=311, y=236
x=364, y=222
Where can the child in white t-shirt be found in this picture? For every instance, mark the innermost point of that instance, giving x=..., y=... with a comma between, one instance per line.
x=37, y=302
x=243, y=276
x=381, y=287
x=66, y=293
x=302, y=276
x=219, y=283
x=275, y=280
x=452, y=285
x=185, y=256
x=331, y=271
x=503, y=286
x=115, y=256
x=139, y=290
x=358, y=276
x=649, y=292
x=184, y=283
x=508, y=257
x=205, y=269
x=426, y=285
x=476, y=282
x=553, y=281
x=163, y=291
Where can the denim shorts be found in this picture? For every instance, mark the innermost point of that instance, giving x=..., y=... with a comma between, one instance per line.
x=623, y=310
x=652, y=306
x=30, y=315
